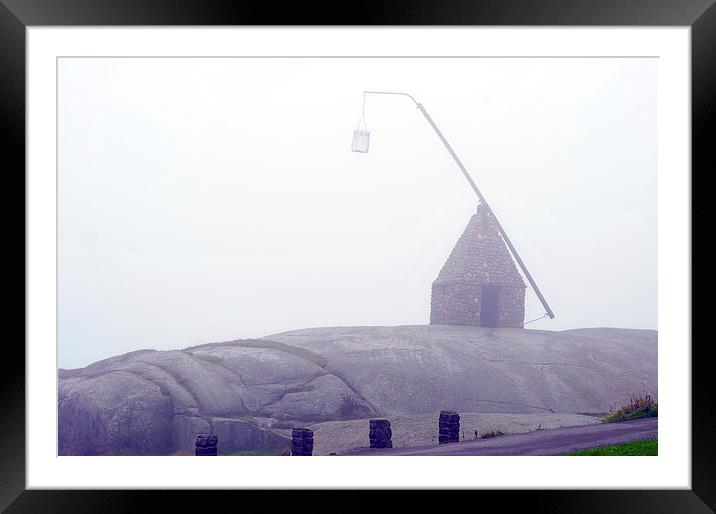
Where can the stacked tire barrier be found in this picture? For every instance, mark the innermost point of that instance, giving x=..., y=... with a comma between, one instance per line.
x=449, y=427
x=380, y=434
x=302, y=441
x=206, y=445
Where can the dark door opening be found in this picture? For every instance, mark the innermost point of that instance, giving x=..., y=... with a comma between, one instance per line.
x=488, y=306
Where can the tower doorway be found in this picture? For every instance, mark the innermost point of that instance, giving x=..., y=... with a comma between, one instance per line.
x=489, y=299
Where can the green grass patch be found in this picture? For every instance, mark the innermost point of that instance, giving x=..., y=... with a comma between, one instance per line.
x=634, y=448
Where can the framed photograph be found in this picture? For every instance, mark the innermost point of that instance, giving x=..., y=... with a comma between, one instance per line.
x=423, y=246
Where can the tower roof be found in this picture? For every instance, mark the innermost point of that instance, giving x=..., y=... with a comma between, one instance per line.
x=480, y=256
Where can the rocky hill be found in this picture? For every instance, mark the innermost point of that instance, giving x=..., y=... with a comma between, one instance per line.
x=249, y=392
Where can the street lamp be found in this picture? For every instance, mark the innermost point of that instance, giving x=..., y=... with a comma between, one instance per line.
x=361, y=139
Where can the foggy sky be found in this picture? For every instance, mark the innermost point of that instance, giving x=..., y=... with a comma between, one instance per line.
x=202, y=200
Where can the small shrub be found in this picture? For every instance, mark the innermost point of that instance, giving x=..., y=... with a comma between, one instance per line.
x=352, y=407
x=637, y=407
x=654, y=410
x=491, y=433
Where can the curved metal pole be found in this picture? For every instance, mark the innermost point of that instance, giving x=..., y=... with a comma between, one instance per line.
x=513, y=250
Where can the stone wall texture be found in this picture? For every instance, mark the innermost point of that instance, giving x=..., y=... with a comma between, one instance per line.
x=480, y=258
x=302, y=442
x=448, y=427
x=380, y=433
x=206, y=445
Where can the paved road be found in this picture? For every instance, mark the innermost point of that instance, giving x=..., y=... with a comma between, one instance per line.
x=542, y=442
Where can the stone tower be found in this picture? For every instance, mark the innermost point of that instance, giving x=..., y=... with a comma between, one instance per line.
x=479, y=284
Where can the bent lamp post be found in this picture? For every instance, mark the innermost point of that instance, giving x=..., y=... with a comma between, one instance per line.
x=361, y=139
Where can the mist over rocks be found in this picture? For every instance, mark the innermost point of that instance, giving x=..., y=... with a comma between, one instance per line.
x=251, y=392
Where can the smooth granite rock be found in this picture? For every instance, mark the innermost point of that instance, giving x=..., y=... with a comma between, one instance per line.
x=156, y=402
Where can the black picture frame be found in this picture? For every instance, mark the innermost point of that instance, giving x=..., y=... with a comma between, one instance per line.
x=16, y=15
